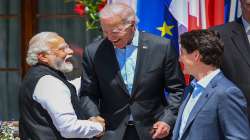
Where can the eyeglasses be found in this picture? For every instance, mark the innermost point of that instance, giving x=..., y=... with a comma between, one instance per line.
x=64, y=47
x=118, y=30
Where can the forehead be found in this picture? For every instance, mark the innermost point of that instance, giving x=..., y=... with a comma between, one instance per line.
x=111, y=22
x=245, y=1
x=56, y=42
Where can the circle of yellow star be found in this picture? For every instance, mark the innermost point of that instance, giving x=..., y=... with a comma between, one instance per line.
x=165, y=29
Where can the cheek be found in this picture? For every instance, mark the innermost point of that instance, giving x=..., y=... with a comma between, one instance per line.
x=182, y=59
x=112, y=37
x=186, y=62
x=62, y=55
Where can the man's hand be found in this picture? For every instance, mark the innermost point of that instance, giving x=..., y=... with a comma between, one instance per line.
x=100, y=120
x=160, y=130
x=97, y=119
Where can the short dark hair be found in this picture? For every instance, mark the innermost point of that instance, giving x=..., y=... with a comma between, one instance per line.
x=207, y=42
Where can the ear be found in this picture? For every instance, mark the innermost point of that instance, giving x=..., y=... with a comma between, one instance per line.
x=42, y=57
x=133, y=24
x=197, y=56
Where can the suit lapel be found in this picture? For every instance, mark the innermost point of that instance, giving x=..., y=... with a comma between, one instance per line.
x=208, y=91
x=200, y=103
x=187, y=94
x=239, y=38
x=108, y=58
x=140, y=62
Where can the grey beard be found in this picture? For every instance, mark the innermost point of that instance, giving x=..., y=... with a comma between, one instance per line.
x=60, y=65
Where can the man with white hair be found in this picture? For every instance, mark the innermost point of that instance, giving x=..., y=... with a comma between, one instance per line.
x=125, y=75
x=49, y=106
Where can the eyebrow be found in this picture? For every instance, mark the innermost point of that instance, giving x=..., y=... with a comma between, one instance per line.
x=62, y=45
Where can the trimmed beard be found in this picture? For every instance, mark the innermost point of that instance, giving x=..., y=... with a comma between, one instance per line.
x=61, y=65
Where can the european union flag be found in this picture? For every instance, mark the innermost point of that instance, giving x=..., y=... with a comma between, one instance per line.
x=154, y=17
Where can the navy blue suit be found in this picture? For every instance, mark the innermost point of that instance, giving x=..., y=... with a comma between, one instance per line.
x=236, y=57
x=219, y=114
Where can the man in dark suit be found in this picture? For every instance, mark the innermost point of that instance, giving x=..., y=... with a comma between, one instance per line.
x=126, y=74
x=215, y=109
x=236, y=60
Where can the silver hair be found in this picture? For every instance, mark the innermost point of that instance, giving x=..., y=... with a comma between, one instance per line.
x=121, y=10
x=39, y=43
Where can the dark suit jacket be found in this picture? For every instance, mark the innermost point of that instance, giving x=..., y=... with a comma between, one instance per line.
x=157, y=68
x=219, y=114
x=236, y=61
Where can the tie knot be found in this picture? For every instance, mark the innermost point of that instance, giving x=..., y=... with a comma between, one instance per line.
x=197, y=87
x=194, y=83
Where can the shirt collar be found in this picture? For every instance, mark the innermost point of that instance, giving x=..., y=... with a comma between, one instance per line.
x=205, y=80
x=135, y=41
x=246, y=25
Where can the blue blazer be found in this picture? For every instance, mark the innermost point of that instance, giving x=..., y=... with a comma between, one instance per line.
x=219, y=114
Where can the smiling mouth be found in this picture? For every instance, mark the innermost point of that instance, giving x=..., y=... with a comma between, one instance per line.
x=68, y=59
x=116, y=41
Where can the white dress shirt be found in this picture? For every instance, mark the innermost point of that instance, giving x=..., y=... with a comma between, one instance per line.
x=193, y=100
x=54, y=96
x=77, y=84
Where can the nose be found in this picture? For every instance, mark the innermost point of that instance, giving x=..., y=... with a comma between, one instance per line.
x=111, y=36
x=69, y=51
x=180, y=58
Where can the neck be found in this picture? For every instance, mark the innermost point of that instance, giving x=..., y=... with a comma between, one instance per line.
x=204, y=71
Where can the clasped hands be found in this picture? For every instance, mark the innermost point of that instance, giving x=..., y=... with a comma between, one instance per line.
x=100, y=120
x=160, y=129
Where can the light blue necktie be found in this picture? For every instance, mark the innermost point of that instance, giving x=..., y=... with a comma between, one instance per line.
x=190, y=104
x=197, y=88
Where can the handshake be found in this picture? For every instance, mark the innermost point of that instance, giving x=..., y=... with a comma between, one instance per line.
x=100, y=120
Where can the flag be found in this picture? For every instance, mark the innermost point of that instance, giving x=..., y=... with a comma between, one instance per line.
x=232, y=10
x=154, y=17
x=198, y=14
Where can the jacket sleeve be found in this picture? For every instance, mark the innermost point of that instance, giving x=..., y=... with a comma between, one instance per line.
x=174, y=86
x=89, y=93
x=233, y=115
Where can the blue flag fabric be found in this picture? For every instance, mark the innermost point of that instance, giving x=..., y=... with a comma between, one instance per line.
x=227, y=10
x=231, y=10
x=154, y=17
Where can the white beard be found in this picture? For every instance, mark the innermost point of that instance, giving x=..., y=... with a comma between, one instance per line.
x=62, y=65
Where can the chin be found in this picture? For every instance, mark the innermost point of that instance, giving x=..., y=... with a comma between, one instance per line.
x=67, y=68
x=119, y=46
x=64, y=67
x=186, y=72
